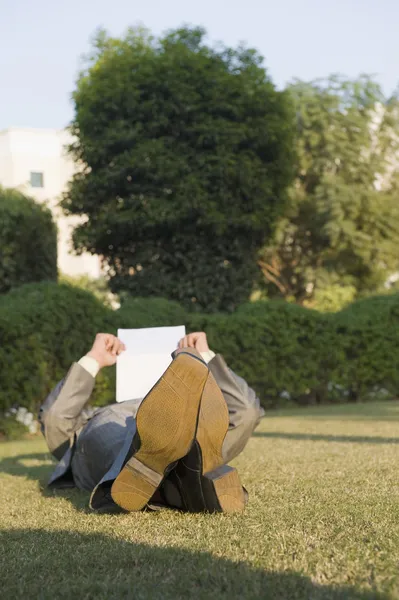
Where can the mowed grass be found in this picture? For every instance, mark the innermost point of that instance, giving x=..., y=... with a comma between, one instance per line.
x=322, y=522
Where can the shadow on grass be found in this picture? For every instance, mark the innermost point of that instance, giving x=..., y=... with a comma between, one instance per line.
x=38, y=467
x=353, y=411
x=64, y=564
x=34, y=466
x=316, y=437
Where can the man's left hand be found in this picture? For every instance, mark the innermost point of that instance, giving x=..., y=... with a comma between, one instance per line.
x=195, y=340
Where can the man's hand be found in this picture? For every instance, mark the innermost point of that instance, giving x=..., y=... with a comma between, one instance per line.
x=195, y=340
x=106, y=349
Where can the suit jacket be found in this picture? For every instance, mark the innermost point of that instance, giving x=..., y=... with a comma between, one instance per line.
x=91, y=444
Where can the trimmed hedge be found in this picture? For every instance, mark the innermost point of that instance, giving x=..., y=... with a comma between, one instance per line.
x=28, y=241
x=43, y=329
x=288, y=353
x=366, y=336
x=280, y=352
x=150, y=312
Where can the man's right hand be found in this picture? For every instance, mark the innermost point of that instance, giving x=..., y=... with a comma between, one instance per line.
x=106, y=349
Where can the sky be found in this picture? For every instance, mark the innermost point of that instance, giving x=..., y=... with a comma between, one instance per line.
x=42, y=42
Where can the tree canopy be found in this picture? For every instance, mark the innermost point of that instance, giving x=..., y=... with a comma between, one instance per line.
x=339, y=235
x=186, y=155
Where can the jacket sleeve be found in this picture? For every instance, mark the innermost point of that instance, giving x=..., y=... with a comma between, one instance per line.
x=63, y=412
x=244, y=407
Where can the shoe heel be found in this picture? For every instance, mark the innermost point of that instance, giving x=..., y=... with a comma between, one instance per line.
x=135, y=485
x=224, y=492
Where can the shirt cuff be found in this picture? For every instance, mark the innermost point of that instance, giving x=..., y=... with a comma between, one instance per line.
x=207, y=356
x=90, y=365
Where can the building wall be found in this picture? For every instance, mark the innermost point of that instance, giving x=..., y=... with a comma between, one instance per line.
x=23, y=151
x=6, y=170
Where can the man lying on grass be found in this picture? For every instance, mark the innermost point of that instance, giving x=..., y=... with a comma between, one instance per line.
x=169, y=449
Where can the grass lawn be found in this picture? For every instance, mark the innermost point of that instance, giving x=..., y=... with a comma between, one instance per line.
x=323, y=522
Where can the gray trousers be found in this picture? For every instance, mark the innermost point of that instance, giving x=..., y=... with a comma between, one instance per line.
x=92, y=445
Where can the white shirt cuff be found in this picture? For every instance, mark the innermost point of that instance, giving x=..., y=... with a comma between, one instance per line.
x=207, y=356
x=90, y=365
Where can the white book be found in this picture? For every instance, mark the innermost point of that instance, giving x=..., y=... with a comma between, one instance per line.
x=147, y=356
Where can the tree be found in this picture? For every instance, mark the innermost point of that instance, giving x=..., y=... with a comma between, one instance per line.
x=28, y=241
x=186, y=152
x=339, y=236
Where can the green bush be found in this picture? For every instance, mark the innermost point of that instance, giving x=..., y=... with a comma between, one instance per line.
x=368, y=336
x=277, y=347
x=150, y=312
x=43, y=329
x=10, y=429
x=289, y=354
x=292, y=354
x=334, y=297
x=28, y=241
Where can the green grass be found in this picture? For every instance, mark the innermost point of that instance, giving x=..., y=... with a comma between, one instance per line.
x=323, y=522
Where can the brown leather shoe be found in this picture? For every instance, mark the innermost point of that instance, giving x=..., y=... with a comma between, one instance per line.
x=204, y=481
x=166, y=427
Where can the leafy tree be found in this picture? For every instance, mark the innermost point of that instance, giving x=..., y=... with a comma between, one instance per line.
x=339, y=236
x=186, y=152
x=28, y=241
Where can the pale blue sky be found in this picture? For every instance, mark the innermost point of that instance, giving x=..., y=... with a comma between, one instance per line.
x=41, y=42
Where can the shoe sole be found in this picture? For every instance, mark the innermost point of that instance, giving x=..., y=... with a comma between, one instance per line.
x=166, y=425
x=221, y=481
x=224, y=485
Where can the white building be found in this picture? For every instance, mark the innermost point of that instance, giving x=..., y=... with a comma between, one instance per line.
x=35, y=162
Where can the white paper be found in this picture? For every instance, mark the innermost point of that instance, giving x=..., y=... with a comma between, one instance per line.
x=147, y=356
